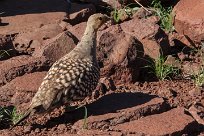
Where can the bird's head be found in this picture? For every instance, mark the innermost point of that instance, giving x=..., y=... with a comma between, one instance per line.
x=97, y=20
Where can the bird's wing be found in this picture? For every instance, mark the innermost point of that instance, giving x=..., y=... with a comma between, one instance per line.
x=62, y=76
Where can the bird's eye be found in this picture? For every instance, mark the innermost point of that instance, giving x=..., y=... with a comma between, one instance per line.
x=100, y=18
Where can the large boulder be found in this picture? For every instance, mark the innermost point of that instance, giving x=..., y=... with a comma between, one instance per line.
x=78, y=30
x=42, y=58
x=112, y=113
x=173, y=122
x=28, y=42
x=80, y=12
x=20, y=65
x=22, y=89
x=189, y=20
x=56, y=47
x=148, y=32
x=118, y=55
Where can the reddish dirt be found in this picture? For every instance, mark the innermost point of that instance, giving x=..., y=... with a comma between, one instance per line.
x=182, y=93
x=126, y=104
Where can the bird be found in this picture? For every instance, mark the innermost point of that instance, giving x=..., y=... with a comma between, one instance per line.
x=71, y=78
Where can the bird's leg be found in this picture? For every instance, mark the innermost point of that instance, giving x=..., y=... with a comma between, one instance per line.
x=85, y=115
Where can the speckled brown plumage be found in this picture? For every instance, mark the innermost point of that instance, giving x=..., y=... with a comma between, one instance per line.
x=74, y=76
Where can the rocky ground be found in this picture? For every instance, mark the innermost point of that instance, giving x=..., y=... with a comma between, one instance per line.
x=129, y=100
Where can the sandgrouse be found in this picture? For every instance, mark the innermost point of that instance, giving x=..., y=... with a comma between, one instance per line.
x=74, y=76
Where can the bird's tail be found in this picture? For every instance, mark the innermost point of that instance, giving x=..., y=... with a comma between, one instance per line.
x=26, y=115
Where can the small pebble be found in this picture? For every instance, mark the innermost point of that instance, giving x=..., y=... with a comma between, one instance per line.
x=61, y=127
x=37, y=130
x=27, y=129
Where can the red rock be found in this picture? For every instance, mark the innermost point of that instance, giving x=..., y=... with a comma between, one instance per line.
x=25, y=87
x=56, y=47
x=118, y=53
x=28, y=82
x=114, y=112
x=18, y=66
x=21, y=89
x=28, y=42
x=147, y=31
x=191, y=68
x=32, y=14
x=177, y=39
x=78, y=30
x=80, y=12
x=197, y=112
x=188, y=20
x=173, y=122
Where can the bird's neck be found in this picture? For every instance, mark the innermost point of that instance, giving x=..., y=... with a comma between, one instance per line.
x=88, y=42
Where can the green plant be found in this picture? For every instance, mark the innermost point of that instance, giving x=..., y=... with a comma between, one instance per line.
x=197, y=74
x=198, y=78
x=131, y=8
x=3, y=52
x=13, y=116
x=165, y=14
x=127, y=10
x=161, y=70
x=116, y=15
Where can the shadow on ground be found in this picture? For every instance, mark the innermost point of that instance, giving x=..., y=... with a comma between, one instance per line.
x=20, y=7
x=110, y=103
x=117, y=101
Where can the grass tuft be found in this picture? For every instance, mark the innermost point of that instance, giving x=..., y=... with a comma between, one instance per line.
x=125, y=12
x=161, y=70
x=165, y=14
x=199, y=78
x=4, y=52
x=13, y=116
